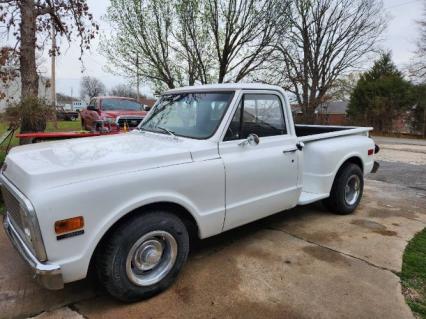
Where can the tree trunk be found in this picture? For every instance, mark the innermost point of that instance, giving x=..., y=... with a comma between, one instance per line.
x=28, y=68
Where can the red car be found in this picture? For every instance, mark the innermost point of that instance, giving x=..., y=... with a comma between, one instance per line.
x=112, y=111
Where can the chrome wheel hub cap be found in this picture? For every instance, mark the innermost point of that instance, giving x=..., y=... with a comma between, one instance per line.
x=151, y=258
x=148, y=255
x=352, y=189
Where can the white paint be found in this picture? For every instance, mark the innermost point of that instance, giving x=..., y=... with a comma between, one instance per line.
x=222, y=184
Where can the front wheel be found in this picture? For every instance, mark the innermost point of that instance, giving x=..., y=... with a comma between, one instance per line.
x=347, y=190
x=143, y=256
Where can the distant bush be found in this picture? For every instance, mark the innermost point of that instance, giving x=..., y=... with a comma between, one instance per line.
x=30, y=113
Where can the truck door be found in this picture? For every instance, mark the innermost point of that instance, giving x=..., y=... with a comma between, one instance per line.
x=261, y=179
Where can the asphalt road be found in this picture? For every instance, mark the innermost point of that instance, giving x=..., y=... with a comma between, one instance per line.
x=402, y=162
x=396, y=140
x=413, y=176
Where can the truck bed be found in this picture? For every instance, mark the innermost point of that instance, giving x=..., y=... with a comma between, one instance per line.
x=307, y=133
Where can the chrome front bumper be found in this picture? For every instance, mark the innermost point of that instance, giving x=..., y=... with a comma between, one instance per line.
x=48, y=275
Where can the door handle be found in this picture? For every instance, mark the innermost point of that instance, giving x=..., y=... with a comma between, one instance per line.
x=290, y=150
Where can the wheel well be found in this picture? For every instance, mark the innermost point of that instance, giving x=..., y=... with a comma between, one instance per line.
x=354, y=160
x=174, y=208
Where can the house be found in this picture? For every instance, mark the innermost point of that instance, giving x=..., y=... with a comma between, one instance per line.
x=332, y=113
x=12, y=91
x=147, y=101
x=78, y=105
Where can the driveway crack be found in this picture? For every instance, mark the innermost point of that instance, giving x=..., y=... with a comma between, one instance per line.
x=333, y=250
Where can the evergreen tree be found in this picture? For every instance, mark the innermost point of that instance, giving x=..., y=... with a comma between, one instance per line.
x=380, y=96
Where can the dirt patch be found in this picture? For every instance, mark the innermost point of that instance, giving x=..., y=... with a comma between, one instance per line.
x=374, y=227
x=326, y=255
x=386, y=232
x=258, y=253
x=323, y=236
x=368, y=224
x=386, y=213
x=207, y=288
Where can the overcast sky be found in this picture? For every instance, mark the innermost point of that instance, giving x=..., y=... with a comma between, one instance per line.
x=400, y=38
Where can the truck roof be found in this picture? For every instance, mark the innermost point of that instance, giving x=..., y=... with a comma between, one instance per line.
x=226, y=87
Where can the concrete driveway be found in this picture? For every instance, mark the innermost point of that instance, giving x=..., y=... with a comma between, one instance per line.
x=303, y=263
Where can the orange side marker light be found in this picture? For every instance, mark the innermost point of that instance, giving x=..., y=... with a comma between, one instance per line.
x=68, y=225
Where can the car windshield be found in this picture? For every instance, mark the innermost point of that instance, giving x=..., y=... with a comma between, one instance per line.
x=194, y=115
x=120, y=104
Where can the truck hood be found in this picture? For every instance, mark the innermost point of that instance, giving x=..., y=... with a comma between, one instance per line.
x=36, y=167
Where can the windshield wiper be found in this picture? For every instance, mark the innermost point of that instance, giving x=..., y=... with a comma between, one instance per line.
x=166, y=130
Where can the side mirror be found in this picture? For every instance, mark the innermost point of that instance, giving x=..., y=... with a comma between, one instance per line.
x=146, y=108
x=252, y=140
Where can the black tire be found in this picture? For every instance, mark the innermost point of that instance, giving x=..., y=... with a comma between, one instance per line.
x=337, y=202
x=112, y=257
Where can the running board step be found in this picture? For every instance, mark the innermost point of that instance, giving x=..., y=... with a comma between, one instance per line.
x=307, y=198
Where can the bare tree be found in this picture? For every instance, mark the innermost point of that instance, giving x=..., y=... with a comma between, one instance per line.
x=91, y=87
x=244, y=34
x=194, y=38
x=9, y=66
x=327, y=38
x=123, y=90
x=31, y=22
x=143, y=41
x=192, y=41
x=418, y=65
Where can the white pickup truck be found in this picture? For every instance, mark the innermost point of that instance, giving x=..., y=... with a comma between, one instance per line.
x=205, y=159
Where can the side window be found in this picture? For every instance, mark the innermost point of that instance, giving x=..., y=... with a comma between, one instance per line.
x=262, y=115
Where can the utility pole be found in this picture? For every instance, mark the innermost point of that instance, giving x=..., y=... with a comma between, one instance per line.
x=53, y=61
x=137, y=77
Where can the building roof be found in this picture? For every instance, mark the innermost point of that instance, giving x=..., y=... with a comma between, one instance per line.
x=333, y=107
x=147, y=101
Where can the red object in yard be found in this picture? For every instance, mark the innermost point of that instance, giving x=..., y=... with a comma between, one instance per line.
x=62, y=135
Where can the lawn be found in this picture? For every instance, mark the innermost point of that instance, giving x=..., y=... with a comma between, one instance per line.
x=51, y=127
x=413, y=274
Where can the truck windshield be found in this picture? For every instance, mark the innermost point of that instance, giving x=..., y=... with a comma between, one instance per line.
x=120, y=104
x=194, y=115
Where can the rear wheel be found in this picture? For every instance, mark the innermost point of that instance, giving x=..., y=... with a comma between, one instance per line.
x=143, y=256
x=347, y=189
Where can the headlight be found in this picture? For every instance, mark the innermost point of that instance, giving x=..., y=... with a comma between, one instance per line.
x=27, y=228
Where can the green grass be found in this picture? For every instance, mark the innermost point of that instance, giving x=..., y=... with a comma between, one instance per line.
x=51, y=127
x=413, y=274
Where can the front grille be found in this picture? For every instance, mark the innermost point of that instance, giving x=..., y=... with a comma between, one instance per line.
x=12, y=206
x=131, y=121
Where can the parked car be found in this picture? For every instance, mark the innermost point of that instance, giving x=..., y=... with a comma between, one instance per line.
x=66, y=115
x=112, y=110
x=205, y=160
